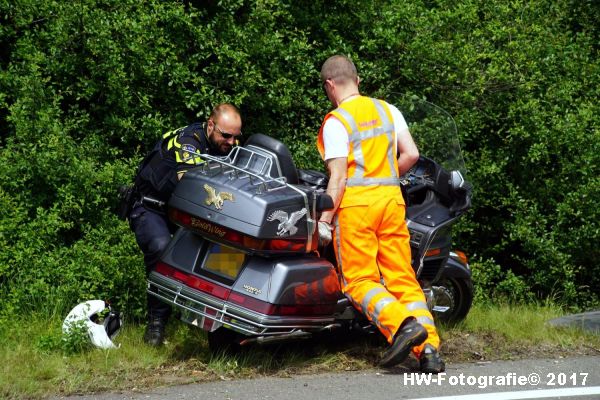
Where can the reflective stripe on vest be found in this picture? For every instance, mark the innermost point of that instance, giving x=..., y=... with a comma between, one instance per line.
x=356, y=138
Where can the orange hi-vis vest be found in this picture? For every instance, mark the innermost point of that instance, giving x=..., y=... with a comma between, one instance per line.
x=372, y=154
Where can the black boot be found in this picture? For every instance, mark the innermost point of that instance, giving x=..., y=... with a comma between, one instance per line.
x=430, y=361
x=409, y=335
x=155, y=331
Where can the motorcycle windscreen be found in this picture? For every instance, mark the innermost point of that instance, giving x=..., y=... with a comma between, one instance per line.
x=223, y=261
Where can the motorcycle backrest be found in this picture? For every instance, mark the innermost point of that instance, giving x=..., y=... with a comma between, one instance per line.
x=284, y=157
x=312, y=178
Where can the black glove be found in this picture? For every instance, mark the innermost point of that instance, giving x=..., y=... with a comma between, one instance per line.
x=126, y=200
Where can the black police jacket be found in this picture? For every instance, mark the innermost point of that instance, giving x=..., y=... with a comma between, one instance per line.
x=175, y=152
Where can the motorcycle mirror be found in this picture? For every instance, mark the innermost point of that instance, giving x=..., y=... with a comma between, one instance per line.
x=462, y=192
x=324, y=202
x=457, y=180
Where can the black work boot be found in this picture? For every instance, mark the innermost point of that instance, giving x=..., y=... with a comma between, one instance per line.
x=430, y=360
x=155, y=331
x=409, y=335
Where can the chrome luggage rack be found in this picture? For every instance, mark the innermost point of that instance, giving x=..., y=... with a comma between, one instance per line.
x=253, y=163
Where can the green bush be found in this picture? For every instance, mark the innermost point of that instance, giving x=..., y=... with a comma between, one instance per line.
x=86, y=88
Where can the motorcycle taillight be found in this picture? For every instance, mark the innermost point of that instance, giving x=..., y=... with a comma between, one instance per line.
x=251, y=303
x=235, y=238
x=306, y=309
x=271, y=309
x=242, y=300
x=180, y=217
x=193, y=281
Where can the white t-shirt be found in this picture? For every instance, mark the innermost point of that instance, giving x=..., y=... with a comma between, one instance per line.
x=335, y=136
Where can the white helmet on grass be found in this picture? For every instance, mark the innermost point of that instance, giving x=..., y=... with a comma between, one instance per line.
x=86, y=314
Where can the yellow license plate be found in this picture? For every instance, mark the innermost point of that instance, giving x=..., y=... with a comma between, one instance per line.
x=224, y=260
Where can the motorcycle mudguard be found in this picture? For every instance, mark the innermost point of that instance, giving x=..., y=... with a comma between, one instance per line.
x=456, y=269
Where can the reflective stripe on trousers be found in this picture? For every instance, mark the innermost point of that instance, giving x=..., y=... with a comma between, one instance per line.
x=363, y=263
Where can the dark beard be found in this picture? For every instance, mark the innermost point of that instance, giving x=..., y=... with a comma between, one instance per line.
x=215, y=149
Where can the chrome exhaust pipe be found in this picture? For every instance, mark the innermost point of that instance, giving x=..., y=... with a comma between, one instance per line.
x=297, y=335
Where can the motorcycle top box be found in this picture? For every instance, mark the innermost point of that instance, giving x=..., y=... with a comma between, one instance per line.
x=250, y=200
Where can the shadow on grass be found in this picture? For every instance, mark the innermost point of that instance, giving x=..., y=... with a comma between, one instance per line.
x=338, y=350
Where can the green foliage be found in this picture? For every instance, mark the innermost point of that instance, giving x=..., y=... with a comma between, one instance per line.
x=87, y=87
x=76, y=341
x=494, y=283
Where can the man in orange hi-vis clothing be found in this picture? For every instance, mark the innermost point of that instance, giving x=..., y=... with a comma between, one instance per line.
x=366, y=145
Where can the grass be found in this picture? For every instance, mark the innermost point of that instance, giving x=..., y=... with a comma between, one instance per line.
x=515, y=331
x=34, y=363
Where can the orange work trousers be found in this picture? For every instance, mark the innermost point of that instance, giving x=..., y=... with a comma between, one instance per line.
x=372, y=248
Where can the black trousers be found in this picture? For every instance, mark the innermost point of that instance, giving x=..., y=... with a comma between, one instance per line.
x=152, y=233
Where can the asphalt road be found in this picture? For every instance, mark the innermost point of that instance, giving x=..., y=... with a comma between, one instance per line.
x=589, y=321
x=566, y=378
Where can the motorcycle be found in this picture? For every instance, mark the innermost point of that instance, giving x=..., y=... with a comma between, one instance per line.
x=244, y=264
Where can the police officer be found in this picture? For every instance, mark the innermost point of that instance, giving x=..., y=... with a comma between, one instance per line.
x=175, y=153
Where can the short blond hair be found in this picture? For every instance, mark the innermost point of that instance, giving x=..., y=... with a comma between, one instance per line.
x=340, y=69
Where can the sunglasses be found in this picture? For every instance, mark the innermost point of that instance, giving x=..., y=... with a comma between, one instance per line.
x=225, y=134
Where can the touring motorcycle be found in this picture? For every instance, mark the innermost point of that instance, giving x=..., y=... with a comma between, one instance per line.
x=245, y=263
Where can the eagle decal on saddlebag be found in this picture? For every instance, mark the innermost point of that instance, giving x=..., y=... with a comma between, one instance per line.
x=287, y=223
x=216, y=198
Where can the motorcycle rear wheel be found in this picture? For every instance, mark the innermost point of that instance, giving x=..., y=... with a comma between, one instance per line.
x=456, y=293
